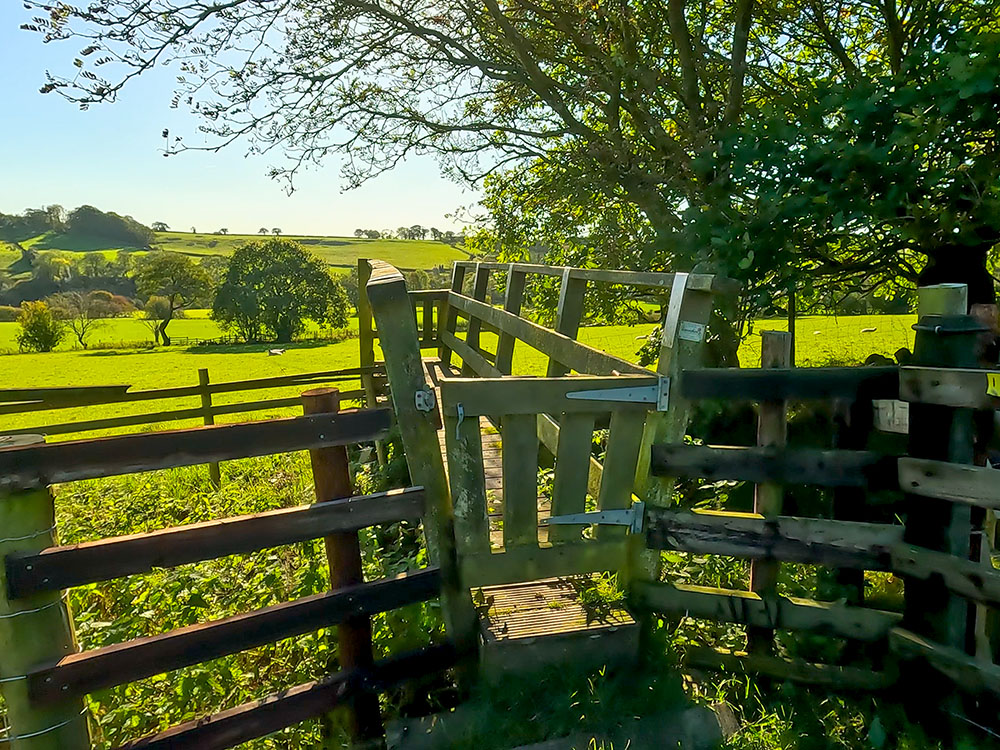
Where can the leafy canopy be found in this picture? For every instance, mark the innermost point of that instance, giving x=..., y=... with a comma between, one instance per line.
x=271, y=287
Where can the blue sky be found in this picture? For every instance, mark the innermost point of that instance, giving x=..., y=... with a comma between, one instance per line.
x=109, y=157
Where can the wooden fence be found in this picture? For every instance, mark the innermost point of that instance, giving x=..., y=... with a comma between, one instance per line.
x=942, y=551
x=44, y=678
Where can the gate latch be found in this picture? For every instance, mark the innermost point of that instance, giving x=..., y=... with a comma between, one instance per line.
x=631, y=517
x=424, y=399
x=658, y=394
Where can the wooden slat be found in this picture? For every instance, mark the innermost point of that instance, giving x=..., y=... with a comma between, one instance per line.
x=294, y=705
x=968, y=578
x=126, y=662
x=41, y=399
x=824, y=675
x=425, y=295
x=577, y=356
x=169, y=416
x=699, y=281
x=804, y=383
x=569, y=313
x=967, y=672
x=520, y=480
x=513, y=298
x=569, y=486
x=973, y=485
x=802, y=540
x=948, y=387
x=476, y=361
x=835, y=619
x=468, y=484
x=527, y=564
x=510, y=395
x=58, y=568
x=548, y=435
x=618, y=476
x=829, y=468
x=37, y=466
x=480, y=281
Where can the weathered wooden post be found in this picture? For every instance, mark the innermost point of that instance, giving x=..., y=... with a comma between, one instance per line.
x=772, y=432
x=569, y=313
x=480, y=283
x=34, y=629
x=946, y=337
x=332, y=480
x=449, y=322
x=513, y=297
x=416, y=413
x=209, y=419
x=366, y=342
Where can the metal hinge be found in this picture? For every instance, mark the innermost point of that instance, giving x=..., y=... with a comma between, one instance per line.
x=424, y=399
x=631, y=517
x=658, y=394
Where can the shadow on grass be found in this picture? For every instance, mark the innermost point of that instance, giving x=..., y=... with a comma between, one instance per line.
x=257, y=348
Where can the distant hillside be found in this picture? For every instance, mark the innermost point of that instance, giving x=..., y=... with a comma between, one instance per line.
x=336, y=251
x=340, y=252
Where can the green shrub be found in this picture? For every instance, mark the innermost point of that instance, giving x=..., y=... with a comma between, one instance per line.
x=40, y=330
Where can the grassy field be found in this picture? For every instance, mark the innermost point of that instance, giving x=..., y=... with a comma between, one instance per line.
x=340, y=252
x=119, y=610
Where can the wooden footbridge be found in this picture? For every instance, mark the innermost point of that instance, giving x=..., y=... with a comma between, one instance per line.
x=510, y=556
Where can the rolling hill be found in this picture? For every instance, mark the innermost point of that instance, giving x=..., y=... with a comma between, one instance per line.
x=339, y=252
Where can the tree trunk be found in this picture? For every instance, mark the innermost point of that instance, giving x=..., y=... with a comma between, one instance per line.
x=162, y=330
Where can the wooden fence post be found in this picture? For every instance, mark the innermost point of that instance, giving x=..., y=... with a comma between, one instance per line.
x=513, y=297
x=772, y=432
x=449, y=322
x=332, y=480
x=34, y=629
x=418, y=430
x=209, y=418
x=366, y=342
x=946, y=337
x=480, y=282
x=569, y=313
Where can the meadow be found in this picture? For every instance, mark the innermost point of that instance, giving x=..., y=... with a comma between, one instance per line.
x=142, y=605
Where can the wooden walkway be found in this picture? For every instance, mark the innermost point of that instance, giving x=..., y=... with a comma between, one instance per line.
x=492, y=463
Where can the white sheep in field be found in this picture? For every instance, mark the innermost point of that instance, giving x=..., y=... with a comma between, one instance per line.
x=275, y=352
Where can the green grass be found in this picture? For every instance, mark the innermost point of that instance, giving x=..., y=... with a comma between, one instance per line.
x=336, y=251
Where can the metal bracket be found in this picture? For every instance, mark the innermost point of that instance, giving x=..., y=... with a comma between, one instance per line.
x=658, y=394
x=424, y=399
x=631, y=517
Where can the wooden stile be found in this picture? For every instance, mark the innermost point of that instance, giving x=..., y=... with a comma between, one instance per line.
x=480, y=283
x=569, y=313
x=468, y=484
x=513, y=297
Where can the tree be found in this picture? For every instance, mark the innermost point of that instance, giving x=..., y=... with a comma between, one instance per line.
x=276, y=231
x=156, y=310
x=435, y=234
x=81, y=312
x=159, y=226
x=622, y=104
x=223, y=231
x=194, y=231
x=94, y=265
x=215, y=266
x=122, y=230
x=174, y=277
x=262, y=230
x=272, y=287
x=51, y=266
x=40, y=330
x=359, y=233
x=417, y=232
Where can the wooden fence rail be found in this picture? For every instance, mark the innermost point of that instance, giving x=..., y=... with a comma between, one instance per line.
x=49, y=689
x=28, y=400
